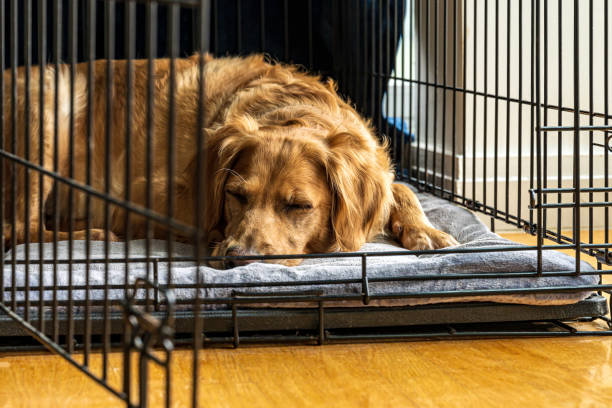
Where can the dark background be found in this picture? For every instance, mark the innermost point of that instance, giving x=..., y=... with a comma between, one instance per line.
x=353, y=41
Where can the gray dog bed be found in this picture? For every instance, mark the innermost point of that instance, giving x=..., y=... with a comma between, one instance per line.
x=459, y=222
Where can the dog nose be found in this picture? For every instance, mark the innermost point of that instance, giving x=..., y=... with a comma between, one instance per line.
x=238, y=251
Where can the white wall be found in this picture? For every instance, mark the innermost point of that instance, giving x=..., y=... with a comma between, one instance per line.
x=475, y=119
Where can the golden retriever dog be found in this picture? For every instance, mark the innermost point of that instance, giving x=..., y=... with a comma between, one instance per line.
x=291, y=167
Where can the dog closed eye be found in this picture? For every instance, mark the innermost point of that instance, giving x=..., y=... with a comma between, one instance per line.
x=298, y=207
x=239, y=196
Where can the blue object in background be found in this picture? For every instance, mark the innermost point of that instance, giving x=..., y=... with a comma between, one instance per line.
x=402, y=126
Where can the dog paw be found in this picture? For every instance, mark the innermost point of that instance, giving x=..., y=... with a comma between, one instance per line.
x=421, y=238
x=443, y=240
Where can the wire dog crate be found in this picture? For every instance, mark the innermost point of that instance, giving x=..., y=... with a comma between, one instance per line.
x=498, y=106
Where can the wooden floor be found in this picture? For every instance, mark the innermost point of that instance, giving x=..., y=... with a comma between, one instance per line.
x=468, y=373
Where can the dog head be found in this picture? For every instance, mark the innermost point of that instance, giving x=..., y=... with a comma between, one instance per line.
x=297, y=188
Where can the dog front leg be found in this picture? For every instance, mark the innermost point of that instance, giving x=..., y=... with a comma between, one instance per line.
x=409, y=225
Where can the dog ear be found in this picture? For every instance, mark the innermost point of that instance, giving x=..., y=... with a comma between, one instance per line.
x=223, y=146
x=358, y=171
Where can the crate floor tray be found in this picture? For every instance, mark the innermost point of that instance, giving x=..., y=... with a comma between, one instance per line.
x=221, y=322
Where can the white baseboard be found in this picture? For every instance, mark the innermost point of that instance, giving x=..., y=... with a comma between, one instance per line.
x=476, y=183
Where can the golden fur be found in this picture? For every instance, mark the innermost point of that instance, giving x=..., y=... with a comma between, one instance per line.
x=291, y=168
